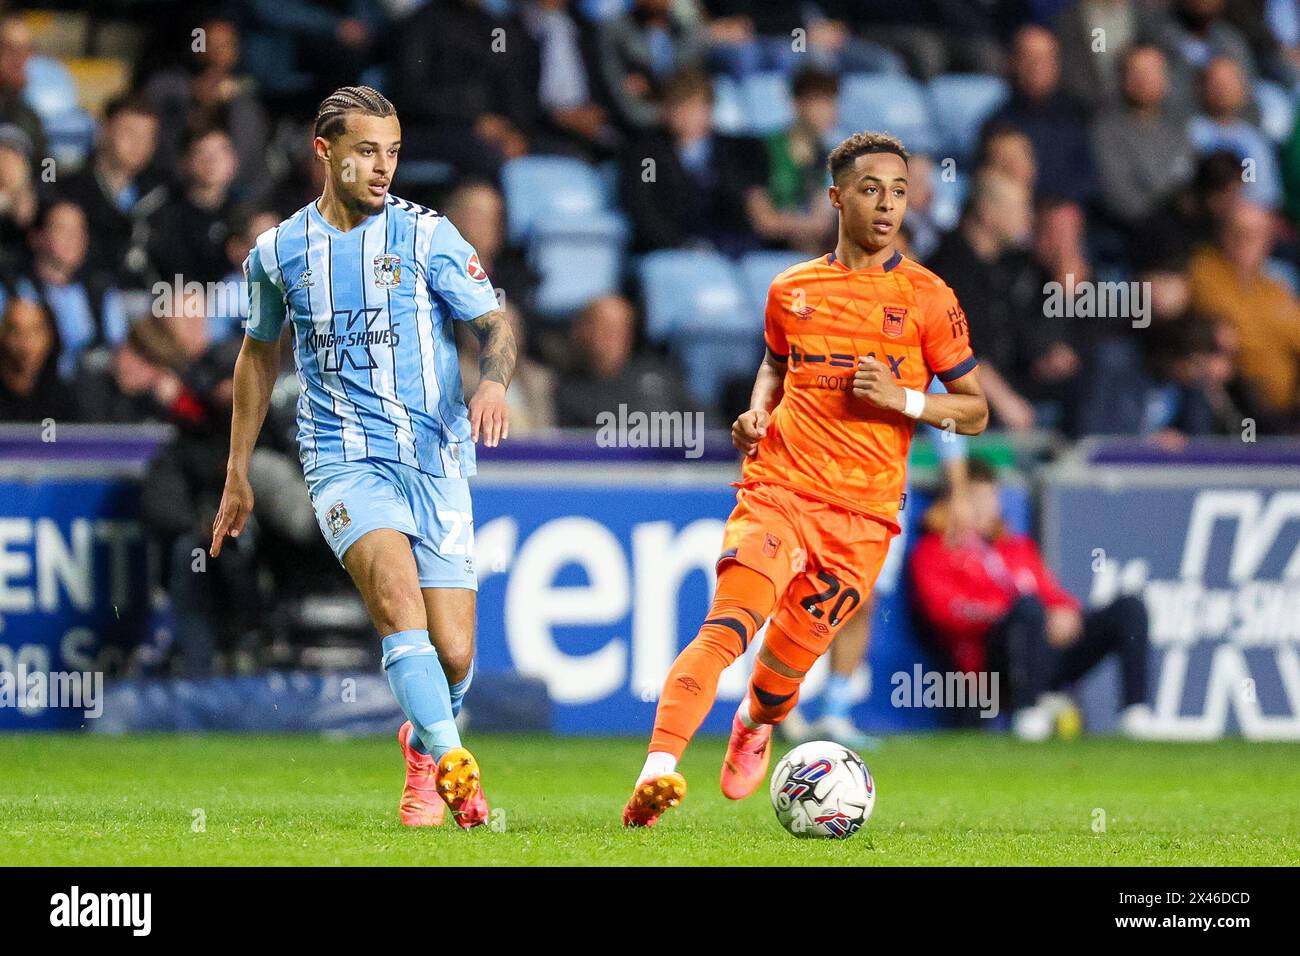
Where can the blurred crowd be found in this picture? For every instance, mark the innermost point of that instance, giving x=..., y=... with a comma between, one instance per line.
x=1132, y=145
x=1141, y=152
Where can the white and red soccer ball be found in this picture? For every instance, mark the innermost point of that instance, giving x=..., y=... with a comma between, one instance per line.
x=821, y=790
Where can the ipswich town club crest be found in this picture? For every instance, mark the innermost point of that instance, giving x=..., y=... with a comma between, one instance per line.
x=388, y=271
x=337, y=519
x=771, y=545
x=895, y=319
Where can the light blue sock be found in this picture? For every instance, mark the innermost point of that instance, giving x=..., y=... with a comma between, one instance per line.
x=458, y=690
x=416, y=677
x=837, y=699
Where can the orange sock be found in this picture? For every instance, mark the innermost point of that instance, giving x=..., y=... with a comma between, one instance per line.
x=742, y=602
x=771, y=695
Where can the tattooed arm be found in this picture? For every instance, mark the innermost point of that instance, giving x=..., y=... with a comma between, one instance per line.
x=488, y=411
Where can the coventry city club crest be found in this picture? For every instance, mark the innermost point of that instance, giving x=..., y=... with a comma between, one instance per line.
x=388, y=271
x=337, y=519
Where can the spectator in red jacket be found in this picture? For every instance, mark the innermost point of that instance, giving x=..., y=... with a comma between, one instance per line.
x=991, y=603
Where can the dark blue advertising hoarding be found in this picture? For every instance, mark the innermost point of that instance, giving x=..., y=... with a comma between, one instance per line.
x=1216, y=557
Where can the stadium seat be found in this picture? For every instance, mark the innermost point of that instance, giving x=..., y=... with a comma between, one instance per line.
x=577, y=261
x=711, y=359
x=758, y=269
x=689, y=289
x=599, y=10
x=949, y=197
x=889, y=103
x=695, y=303
x=51, y=89
x=537, y=188
x=52, y=93
x=767, y=101
x=885, y=60
x=960, y=103
x=1277, y=110
x=728, y=107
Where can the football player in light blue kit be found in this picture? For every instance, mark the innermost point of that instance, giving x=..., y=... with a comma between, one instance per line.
x=369, y=285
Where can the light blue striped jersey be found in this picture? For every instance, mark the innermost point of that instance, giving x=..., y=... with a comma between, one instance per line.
x=371, y=313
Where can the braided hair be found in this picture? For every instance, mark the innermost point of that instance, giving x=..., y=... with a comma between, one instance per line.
x=331, y=118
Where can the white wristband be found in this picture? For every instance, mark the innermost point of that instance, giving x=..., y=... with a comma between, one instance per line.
x=913, y=403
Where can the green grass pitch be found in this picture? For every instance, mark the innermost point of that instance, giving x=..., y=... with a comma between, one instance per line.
x=957, y=799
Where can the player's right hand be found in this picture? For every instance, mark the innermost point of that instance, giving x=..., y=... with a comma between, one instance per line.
x=748, y=429
x=236, y=506
x=489, y=414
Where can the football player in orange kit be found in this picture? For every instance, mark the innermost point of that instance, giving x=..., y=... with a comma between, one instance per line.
x=853, y=339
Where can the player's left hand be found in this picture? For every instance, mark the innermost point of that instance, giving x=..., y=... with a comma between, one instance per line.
x=489, y=414
x=874, y=383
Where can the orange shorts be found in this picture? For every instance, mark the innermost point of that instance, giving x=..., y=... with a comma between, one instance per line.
x=822, y=560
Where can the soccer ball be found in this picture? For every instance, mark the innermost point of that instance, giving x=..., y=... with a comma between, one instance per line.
x=821, y=790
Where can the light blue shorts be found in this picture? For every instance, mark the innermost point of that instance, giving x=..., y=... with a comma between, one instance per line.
x=352, y=498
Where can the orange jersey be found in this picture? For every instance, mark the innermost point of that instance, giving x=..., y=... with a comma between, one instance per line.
x=822, y=316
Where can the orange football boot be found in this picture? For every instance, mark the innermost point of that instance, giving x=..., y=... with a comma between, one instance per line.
x=652, y=797
x=457, y=781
